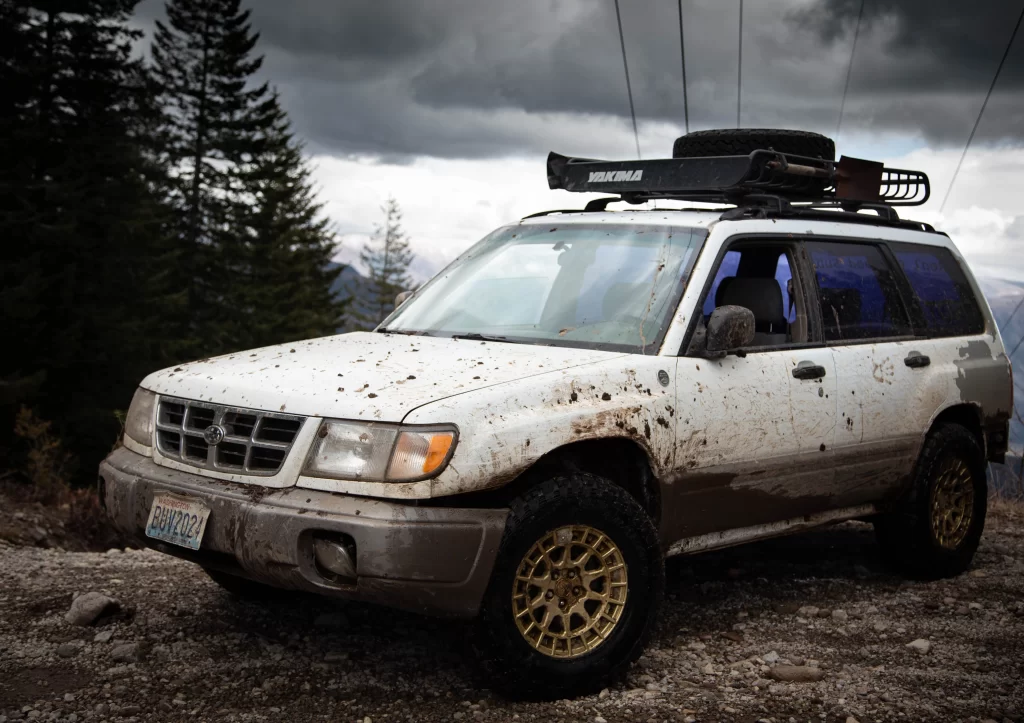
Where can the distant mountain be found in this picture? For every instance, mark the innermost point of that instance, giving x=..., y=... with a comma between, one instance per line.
x=350, y=284
x=1005, y=297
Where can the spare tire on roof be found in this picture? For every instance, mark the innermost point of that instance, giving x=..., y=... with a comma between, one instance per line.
x=741, y=141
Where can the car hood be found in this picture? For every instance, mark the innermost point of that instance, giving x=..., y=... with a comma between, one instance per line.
x=361, y=375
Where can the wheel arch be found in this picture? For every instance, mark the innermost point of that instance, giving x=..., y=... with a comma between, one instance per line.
x=620, y=460
x=966, y=414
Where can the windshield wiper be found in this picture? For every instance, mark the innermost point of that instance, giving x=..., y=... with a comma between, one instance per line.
x=408, y=332
x=474, y=336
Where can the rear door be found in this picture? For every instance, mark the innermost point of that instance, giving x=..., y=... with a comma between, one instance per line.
x=961, y=360
x=887, y=393
x=755, y=429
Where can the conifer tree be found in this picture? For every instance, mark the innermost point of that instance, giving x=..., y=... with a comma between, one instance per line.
x=287, y=246
x=257, y=247
x=80, y=224
x=386, y=257
x=214, y=125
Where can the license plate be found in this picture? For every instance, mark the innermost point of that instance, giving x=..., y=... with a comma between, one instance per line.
x=178, y=520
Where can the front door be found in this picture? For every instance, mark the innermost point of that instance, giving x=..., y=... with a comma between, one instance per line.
x=755, y=430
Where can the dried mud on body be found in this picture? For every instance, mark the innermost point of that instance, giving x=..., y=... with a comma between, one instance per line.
x=734, y=627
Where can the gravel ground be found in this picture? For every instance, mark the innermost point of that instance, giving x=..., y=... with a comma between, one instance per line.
x=181, y=648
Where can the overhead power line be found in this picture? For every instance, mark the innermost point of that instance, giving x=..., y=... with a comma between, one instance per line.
x=739, y=67
x=849, y=70
x=682, y=60
x=982, y=111
x=629, y=89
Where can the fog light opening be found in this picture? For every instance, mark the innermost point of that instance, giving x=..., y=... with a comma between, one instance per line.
x=335, y=558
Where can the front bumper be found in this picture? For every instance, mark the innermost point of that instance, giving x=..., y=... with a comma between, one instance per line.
x=426, y=559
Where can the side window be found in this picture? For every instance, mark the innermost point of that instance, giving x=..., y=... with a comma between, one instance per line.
x=858, y=293
x=759, y=277
x=940, y=287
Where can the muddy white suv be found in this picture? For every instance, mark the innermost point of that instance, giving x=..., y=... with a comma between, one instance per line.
x=584, y=393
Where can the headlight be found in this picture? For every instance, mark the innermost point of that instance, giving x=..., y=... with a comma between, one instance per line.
x=139, y=423
x=379, y=452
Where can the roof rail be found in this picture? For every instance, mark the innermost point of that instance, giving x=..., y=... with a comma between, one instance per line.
x=769, y=206
x=728, y=179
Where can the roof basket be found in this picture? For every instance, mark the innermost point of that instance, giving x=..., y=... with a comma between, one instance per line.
x=728, y=179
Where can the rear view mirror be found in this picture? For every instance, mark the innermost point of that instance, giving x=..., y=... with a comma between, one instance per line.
x=401, y=297
x=730, y=327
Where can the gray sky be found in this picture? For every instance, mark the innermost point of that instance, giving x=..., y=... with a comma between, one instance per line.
x=451, y=105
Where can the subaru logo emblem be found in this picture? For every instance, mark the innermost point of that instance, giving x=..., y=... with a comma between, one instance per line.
x=214, y=434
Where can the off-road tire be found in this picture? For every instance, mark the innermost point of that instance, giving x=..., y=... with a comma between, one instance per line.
x=741, y=141
x=906, y=534
x=508, y=662
x=241, y=587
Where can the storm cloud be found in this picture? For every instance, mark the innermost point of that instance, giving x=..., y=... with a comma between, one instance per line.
x=468, y=79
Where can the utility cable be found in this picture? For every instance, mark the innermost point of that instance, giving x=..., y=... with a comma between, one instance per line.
x=739, y=67
x=982, y=111
x=849, y=70
x=629, y=89
x=682, y=60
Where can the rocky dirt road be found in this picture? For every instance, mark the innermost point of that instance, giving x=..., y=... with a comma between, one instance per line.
x=182, y=649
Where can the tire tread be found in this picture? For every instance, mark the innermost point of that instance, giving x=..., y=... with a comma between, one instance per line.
x=741, y=141
x=572, y=490
x=905, y=532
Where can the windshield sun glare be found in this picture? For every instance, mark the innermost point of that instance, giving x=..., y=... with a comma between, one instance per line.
x=609, y=286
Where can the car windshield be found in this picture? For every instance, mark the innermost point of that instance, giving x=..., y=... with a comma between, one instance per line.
x=604, y=286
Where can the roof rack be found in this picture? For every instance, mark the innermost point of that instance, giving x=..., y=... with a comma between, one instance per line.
x=731, y=179
x=769, y=206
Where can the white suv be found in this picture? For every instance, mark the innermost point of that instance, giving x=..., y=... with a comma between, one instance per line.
x=581, y=394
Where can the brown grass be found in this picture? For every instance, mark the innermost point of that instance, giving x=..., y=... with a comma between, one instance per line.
x=42, y=482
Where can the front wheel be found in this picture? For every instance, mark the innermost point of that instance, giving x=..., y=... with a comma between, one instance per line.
x=575, y=590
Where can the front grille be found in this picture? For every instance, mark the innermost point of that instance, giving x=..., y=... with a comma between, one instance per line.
x=254, y=442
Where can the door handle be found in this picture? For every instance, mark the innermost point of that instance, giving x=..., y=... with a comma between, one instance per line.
x=808, y=370
x=916, y=360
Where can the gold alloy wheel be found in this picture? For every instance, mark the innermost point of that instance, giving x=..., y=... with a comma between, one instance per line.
x=570, y=591
x=952, y=504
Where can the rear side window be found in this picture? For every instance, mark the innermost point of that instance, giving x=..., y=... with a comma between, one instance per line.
x=940, y=287
x=858, y=292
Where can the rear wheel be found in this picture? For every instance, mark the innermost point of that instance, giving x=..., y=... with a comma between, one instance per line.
x=574, y=593
x=935, y=531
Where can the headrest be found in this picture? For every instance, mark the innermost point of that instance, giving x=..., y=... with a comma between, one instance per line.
x=762, y=296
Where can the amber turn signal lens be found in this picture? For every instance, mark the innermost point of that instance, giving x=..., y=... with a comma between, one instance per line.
x=439, y=445
x=419, y=453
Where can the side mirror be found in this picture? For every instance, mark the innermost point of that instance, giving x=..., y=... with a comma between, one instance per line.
x=402, y=296
x=730, y=327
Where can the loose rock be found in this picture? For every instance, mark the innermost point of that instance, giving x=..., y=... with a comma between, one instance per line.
x=87, y=608
x=796, y=674
x=920, y=645
x=127, y=652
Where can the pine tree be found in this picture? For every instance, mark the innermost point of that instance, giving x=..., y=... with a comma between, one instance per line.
x=286, y=248
x=216, y=124
x=80, y=222
x=386, y=257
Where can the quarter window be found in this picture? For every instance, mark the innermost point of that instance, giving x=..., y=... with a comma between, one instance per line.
x=858, y=292
x=940, y=287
